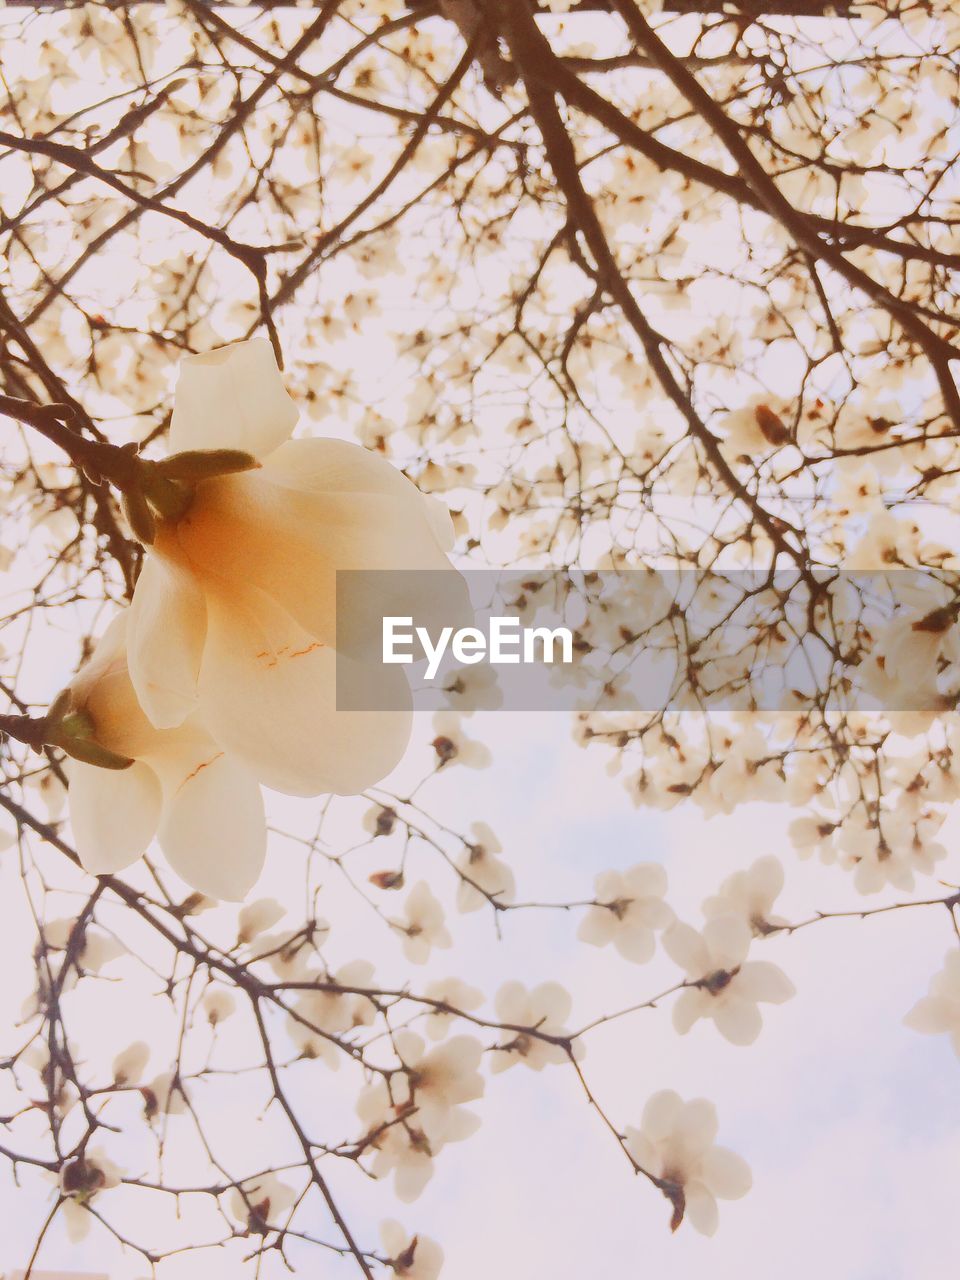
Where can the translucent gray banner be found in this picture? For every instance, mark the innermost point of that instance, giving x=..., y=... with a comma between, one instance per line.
x=638, y=640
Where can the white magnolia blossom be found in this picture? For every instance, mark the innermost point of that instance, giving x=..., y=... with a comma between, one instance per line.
x=203, y=806
x=164, y=1096
x=235, y=612
x=453, y=746
x=629, y=908
x=261, y=1202
x=544, y=1008
x=81, y=1179
x=218, y=1005
x=676, y=1142
x=129, y=1065
x=729, y=986
x=938, y=1013
x=458, y=995
x=319, y=1017
x=411, y=1257
x=485, y=873
x=751, y=894
x=422, y=925
x=410, y=1122
x=257, y=917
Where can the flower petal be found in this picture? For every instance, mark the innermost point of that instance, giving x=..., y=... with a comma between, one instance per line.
x=232, y=398
x=213, y=829
x=635, y=944
x=268, y=693
x=727, y=1174
x=165, y=632
x=932, y=1016
x=113, y=812
x=763, y=980
x=701, y=1209
x=597, y=927
x=738, y=1021
x=689, y=1006
x=687, y=948
x=275, y=530
x=660, y=1115
x=728, y=939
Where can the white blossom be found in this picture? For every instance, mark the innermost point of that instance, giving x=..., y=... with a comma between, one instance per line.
x=676, y=1142
x=729, y=986
x=422, y=925
x=412, y=1257
x=751, y=894
x=203, y=806
x=81, y=1180
x=485, y=873
x=630, y=907
x=259, y=1203
x=544, y=1008
x=235, y=611
x=938, y=1013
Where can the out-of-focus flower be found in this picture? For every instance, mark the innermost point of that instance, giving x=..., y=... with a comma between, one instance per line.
x=257, y=917
x=235, y=614
x=320, y=1017
x=259, y=1203
x=544, y=1008
x=938, y=1013
x=163, y=1096
x=218, y=1005
x=676, y=1142
x=453, y=746
x=204, y=807
x=422, y=925
x=409, y=1124
x=412, y=1257
x=751, y=894
x=629, y=908
x=80, y=1180
x=729, y=986
x=128, y=1066
x=453, y=992
x=483, y=872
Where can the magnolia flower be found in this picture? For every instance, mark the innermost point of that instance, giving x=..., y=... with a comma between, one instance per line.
x=235, y=613
x=483, y=872
x=751, y=895
x=938, y=1013
x=544, y=1008
x=128, y=1066
x=629, y=908
x=675, y=1142
x=411, y=1122
x=218, y=1005
x=80, y=1180
x=260, y=1202
x=422, y=925
x=453, y=992
x=728, y=986
x=164, y=1096
x=320, y=1017
x=256, y=917
x=203, y=805
x=452, y=745
x=412, y=1257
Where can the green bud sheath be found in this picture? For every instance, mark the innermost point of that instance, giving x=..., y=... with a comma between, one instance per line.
x=203, y=464
x=139, y=516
